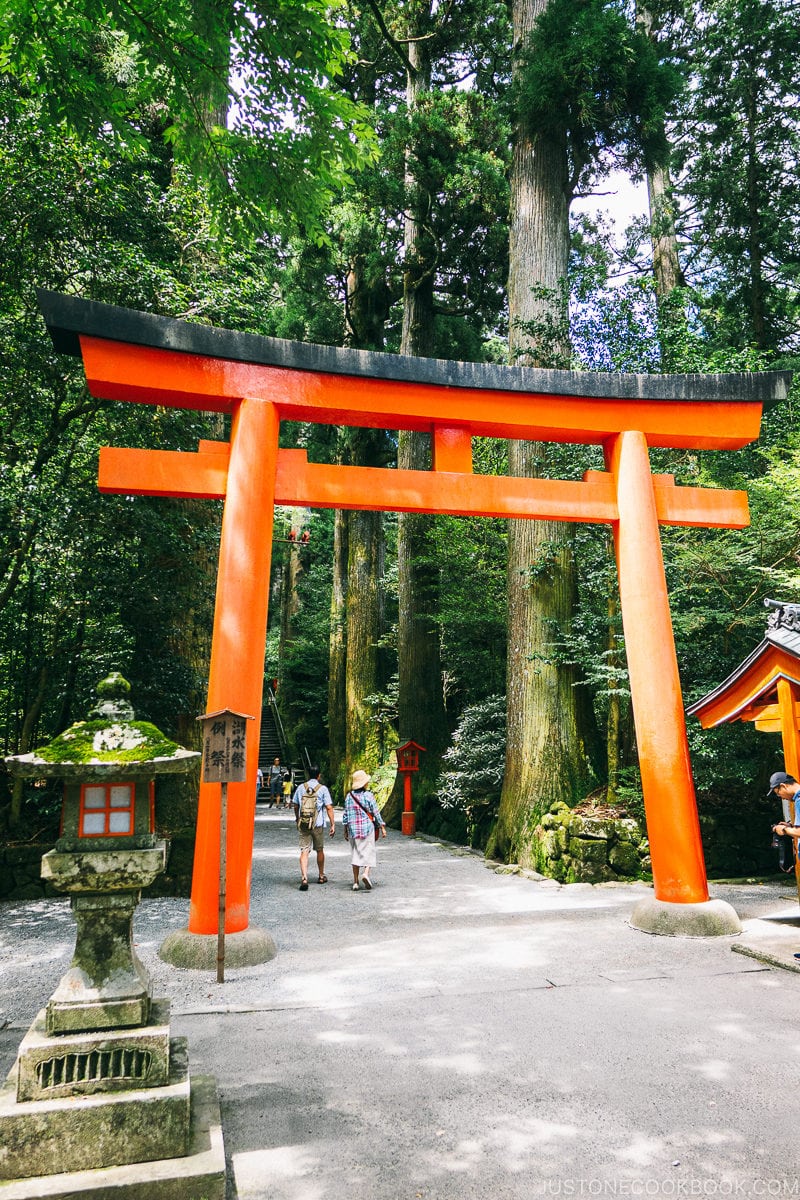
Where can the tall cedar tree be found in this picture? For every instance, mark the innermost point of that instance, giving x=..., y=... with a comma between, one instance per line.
x=436, y=207
x=449, y=225
x=590, y=93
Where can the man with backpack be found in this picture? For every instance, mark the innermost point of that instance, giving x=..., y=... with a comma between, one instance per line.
x=312, y=801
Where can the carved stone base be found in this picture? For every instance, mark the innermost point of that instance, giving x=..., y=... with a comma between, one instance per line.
x=43, y=1137
x=83, y=1064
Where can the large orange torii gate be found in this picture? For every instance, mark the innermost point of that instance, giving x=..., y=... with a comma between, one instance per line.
x=259, y=381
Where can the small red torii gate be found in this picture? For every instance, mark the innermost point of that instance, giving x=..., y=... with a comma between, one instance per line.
x=259, y=381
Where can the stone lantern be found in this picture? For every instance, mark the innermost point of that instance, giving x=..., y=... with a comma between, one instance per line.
x=99, y=1080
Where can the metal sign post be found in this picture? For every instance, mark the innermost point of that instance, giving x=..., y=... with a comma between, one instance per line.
x=224, y=762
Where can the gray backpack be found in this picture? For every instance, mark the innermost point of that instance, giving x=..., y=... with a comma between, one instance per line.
x=308, y=808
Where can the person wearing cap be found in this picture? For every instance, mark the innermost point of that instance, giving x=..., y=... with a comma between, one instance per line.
x=363, y=824
x=786, y=788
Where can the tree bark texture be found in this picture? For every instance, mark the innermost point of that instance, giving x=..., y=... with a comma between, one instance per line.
x=365, y=562
x=547, y=755
x=421, y=708
x=26, y=737
x=368, y=306
x=349, y=729
x=293, y=568
x=754, y=232
x=190, y=638
x=337, y=695
x=664, y=240
x=614, y=706
x=663, y=234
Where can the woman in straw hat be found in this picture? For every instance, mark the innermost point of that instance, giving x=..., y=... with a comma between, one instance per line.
x=363, y=823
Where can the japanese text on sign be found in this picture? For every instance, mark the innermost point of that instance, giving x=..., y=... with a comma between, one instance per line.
x=224, y=749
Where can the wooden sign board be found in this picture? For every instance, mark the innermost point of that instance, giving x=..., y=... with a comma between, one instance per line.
x=224, y=746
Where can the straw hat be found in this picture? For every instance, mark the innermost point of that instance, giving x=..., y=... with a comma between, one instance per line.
x=360, y=779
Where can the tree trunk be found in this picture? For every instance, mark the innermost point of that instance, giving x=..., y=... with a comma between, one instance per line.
x=421, y=708
x=292, y=571
x=663, y=236
x=337, y=694
x=190, y=638
x=354, y=739
x=365, y=560
x=666, y=264
x=547, y=755
x=613, y=724
x=368, y=305
x=758, y=316
x=25, y=740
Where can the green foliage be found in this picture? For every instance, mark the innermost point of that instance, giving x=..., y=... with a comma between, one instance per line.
x=736, y=139
x=585, y=74
x=717, y=579
x=303, y=693
x=474, y=764
x=241, y=92
x=470, y=555
x=89, y=582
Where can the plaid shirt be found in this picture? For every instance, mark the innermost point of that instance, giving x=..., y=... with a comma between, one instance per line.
x=357, y=822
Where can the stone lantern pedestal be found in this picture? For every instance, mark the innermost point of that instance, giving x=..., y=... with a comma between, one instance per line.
x=99, y=1083
x=106, y=987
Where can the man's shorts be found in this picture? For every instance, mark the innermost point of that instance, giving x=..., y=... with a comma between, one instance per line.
x=315, y=838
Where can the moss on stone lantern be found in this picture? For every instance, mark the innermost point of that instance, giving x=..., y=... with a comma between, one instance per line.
x=107, y=852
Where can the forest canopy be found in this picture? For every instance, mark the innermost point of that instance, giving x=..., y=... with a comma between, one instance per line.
x=355, y=175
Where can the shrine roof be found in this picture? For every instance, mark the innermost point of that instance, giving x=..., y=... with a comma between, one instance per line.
x=754, y=681
x=69, y=317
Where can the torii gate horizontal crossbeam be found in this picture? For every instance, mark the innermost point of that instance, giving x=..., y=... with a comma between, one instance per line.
x=317, y=485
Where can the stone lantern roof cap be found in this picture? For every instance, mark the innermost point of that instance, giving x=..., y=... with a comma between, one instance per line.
x=111, y=740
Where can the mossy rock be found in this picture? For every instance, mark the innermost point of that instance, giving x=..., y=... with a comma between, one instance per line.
x=587, y=851
x=627, y=830
x=108, y=741
x=560, y=809
x=601, y=828
x=625, y=859
x=549, y=847
x=114, y=687
x=588, y=872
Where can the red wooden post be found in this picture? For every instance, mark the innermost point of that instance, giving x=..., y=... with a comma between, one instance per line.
x=408, y=762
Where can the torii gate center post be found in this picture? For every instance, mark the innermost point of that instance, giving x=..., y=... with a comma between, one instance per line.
x=258, y=381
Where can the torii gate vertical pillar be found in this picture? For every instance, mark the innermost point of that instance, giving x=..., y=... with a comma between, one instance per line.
x=788, y=697
x=236, y=681
x=681, y=904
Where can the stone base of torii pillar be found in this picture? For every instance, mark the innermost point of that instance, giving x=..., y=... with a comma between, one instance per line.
x=709, y=918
